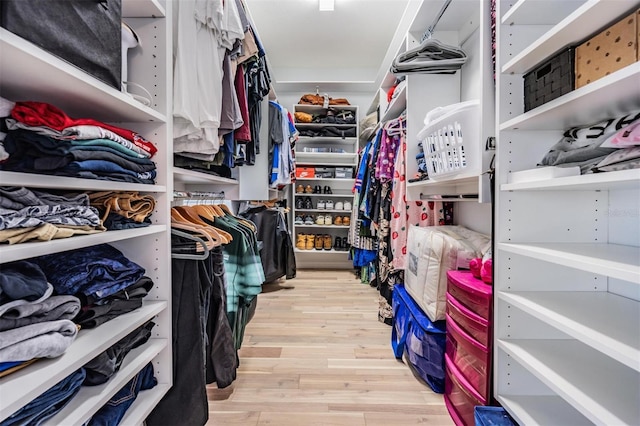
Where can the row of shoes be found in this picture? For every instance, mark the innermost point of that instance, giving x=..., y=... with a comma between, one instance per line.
x=322, y=219
x=300, y=189
x=305, y=203
x=321, y=242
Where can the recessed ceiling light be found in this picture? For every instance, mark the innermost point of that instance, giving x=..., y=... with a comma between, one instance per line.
x=326, y=5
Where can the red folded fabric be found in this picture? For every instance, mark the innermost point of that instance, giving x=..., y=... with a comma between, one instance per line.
x=44, y=114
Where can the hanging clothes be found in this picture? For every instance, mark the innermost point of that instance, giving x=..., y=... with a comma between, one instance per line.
x=282, y=132
x=277, y=255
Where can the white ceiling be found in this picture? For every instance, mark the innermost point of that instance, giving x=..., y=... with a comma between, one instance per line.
x=342, y=50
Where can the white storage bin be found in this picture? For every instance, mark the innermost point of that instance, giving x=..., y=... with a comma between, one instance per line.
x=451, y=140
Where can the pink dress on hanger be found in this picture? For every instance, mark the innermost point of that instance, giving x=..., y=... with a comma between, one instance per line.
x=405, y=213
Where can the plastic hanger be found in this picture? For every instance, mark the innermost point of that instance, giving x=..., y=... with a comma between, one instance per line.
x=204, y=248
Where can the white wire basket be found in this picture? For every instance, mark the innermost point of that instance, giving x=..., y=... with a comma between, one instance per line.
x=451, y=140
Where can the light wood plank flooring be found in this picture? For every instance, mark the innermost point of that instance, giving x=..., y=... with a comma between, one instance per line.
x=316, y=354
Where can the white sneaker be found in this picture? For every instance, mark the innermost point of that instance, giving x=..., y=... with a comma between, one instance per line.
x=328, y=205
x=320, y=205
x=339, y=206
x=320, y=220
x=347, y=205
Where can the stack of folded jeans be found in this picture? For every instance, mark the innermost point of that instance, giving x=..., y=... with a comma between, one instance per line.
x=48, y=403
x=43, y=139
x=94, y=272
x=114, y=410
x=33, y=215
x=101, y=277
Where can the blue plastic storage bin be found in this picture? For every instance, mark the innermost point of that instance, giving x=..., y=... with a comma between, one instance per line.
x=492, y=416
x=423, y=340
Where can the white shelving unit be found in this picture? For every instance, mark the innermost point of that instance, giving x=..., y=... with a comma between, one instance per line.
x=465, y=23
x=29, y=73
x=567, y=277
x=308, y=154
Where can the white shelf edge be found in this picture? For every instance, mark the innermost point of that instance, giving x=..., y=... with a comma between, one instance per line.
x=321, y=226
x=519, y=13
x=583, y=105
x=332, y=251
x=48, y=71
x=192, y=176
x=397, y=105
x=541, y=410
x=144, y=404
x=298, y=194
x=323, y=125
x=142, y=9
x=328, y=139
x=578, y=315
x=327, y=154
x=91, y=398
x=346, y=212
x=27, y=250
x=33, y=180
x=570, y=30
x=326, y=179
x=613, y=260
x=313, y=163
x=44, y=373
x=623, y=179
x=566, y=365
x=302, y=107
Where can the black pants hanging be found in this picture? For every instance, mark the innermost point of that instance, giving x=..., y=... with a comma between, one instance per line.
x=186, y=402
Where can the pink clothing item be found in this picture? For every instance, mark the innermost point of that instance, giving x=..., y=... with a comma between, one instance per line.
x=43, y=114
x=386, y=157
x=404, y=213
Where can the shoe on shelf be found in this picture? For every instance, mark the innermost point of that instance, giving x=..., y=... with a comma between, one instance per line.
x=338, y=221
x=345, y=244
x=308, y=220
x=301, y=241
x=328, y=220
x=339, y=206
x=320, y=220
x=319, y=244
x=337, y=246
x=308, y=189
x=299, y=189
x=317, y=190
x=327, y=242
x=327, y=190
x=299, y=203
x=328, y=205
x=311, y=240
x=320, y=205
x=347, y=205
x=299, y=220
x=346, y=221
x=307, y=203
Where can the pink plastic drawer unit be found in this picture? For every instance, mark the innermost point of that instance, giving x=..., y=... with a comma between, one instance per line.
x=470, y=358
x=459, y=397
x=471, y=292
x=469, y=321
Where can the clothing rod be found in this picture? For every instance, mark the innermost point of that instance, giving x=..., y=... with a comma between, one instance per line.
x=428, y=33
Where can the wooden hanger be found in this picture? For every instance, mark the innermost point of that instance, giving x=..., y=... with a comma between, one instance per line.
x=187, y=215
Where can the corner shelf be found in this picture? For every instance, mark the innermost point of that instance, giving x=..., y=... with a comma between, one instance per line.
x=598, y=319
x=569, y=368
x=397, y=105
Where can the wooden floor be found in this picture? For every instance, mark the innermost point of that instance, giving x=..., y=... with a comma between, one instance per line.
x=316, y=354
